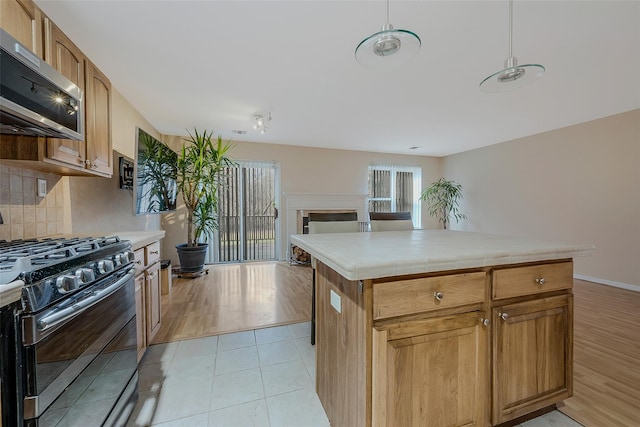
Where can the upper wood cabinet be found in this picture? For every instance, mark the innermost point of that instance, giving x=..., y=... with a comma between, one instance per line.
x=65, y=57
x=24, y=21
x=98, y=120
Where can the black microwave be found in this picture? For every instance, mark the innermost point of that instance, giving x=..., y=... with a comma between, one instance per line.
x=35, y=99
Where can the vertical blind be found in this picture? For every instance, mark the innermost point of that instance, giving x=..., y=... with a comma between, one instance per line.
x=395, y=188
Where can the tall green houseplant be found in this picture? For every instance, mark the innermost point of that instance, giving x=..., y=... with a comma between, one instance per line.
x=443, y=199
x=201, y=162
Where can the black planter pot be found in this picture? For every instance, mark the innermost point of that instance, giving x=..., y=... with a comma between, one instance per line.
x=192, y=258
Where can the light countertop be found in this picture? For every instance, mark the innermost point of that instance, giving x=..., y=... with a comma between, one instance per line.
x=138, y=239
x=10, y=292
x=369, y=255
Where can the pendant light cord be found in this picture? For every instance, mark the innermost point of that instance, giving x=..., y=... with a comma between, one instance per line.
x=510, y=28
x=387, y=11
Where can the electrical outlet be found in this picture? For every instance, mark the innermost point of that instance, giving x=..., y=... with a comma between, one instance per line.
x=336, y=301
x=42, y=187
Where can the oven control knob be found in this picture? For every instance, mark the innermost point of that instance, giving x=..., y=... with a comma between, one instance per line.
x=85, y=275
x=67, y=283
x=105, y=266
x=127, y=257
x=117, y=262
x=122, y=258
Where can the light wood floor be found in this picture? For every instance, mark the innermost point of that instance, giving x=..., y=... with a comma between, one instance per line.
x=236, y=297
x=606, y=354
x=250, y=296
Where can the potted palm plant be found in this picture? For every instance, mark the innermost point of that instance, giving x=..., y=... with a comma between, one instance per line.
x=200, y=165
x=442, y=198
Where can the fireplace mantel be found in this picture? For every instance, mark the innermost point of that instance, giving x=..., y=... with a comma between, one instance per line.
x=295, y=202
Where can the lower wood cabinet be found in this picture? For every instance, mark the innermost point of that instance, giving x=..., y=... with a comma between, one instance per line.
x=431, y=372
x=141, y=323
x=532, y=355
x=153, y=301
x=148, y=295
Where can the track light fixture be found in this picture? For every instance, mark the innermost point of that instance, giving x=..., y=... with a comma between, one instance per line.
x=260, y=122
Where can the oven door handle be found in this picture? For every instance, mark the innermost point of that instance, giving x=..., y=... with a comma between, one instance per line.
x=78, y=307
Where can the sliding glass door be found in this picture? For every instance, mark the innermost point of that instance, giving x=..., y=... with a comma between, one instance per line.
x=247, y=214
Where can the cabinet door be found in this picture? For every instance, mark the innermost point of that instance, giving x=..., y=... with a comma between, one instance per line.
x=141, y=323
x=153, y=301
x=98, y=121
x=65, y=57
x=431, y=373
x=23, y=20
x=533, y=356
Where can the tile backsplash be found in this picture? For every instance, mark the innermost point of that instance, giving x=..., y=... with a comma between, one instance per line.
x=25, y=215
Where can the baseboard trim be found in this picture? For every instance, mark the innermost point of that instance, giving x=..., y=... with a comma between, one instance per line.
x=629, y=287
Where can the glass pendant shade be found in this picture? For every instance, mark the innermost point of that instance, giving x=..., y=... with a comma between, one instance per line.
x=512, y=76
x=388, y=48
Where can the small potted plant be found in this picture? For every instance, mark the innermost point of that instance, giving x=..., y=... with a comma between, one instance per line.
x=200, y=165
x=442, y=198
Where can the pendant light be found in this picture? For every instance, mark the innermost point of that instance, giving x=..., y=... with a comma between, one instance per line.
x=513, y=75
x=388, y=47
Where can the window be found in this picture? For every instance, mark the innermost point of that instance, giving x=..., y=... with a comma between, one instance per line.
x=396, y=189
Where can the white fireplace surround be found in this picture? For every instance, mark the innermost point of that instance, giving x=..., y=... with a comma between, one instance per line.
x=320, y=201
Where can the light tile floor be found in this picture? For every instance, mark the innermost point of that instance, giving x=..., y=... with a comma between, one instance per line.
x=264, y=377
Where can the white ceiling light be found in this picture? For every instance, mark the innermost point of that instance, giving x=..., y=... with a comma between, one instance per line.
x=261, y=122
x=513, y=75
x=388, y=47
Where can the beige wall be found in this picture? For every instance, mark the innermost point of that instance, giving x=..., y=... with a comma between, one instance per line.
x=306, y=170
x=576, y=184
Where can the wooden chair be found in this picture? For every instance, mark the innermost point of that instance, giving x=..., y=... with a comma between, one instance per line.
x=327, y=223
x=392, y=225
x=390, y=221
x=389, y=216
x=333, y=216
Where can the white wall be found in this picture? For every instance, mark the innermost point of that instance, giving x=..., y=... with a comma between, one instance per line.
x=577, y=184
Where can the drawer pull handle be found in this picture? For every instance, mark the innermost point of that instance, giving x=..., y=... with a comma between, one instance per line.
x=503, y=316
x=438, y=296
x=540, y=281
x=157, y=252
x=485, y=322
x=138, y=262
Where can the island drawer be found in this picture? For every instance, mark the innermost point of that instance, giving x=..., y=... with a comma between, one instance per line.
x=391, y=299
x=535, y=279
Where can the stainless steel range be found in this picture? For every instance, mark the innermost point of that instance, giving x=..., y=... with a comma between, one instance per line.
x=69, y=345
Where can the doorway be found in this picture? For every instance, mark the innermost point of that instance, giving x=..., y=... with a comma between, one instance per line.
x=247, y=214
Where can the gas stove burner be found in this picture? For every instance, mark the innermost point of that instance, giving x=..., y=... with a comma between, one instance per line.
x=54, y=270
x=22, y=258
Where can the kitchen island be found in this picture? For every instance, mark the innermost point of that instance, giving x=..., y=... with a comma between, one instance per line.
x=441, y=328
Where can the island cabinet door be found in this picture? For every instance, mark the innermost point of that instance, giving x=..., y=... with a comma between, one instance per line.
x=431, y=373
x=533, y=356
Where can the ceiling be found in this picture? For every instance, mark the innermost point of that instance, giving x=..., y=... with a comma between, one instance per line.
x=215, y=64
